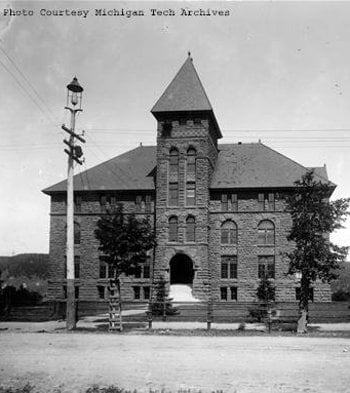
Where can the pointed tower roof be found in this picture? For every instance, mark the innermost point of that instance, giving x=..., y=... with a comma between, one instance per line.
x=185, y=92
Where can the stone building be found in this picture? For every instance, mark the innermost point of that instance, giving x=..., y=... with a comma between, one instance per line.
x=219, y=210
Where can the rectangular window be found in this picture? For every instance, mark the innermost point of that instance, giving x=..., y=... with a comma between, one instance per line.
x=146, y=293
x=191, y=194
x=228, y=266
x=76, y=292
x=224, y=203
x=65, y=291
x=234, y=202
x=77, y=266
x=136, y=293
x=173, y=194
x=148, y=205
x=266, y=266
x=138, y=203
x=103, y=203
x=233, y=293
x=271, y=200
x=261, y=201
x=77, y=203
x=146, y=270
x=223, y=293
x=113, y=200
x=101, y=292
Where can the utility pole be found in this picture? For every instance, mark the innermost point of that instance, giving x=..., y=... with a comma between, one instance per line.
x=74, y=97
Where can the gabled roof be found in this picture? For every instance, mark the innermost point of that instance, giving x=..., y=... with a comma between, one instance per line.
x=185, y=92
x=132, y=170
x=248, y=165
x=254, y=165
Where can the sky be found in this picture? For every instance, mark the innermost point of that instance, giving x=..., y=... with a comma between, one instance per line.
x=274, y=71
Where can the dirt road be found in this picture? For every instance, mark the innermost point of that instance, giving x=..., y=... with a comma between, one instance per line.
x=234, y=364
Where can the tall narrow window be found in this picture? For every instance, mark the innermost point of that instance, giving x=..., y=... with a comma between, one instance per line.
x=190, y=229
x=77, y=266
x=138, y=203
x=266, y=233
x=190, y=194
x=261, y=201
x=229, y=232
x=173, y=229
x=148, y=204
x=103, y=269
x=223, y=293
x=137, y=293
x=146, y=293
x=174, y=161
x=191, y=161
x=173, y=194
x=233, y=291
x=271, y=201
x=234, y=202
x=77, y=233
x=77, y=203
x=101, y=292
x=224, y=202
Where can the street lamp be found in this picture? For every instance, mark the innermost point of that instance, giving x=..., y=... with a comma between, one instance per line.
x=74, y=98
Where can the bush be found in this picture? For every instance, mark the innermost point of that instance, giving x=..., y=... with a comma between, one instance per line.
x=11, y=296
x=340, y=296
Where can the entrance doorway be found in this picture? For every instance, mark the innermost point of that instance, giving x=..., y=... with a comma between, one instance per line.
x=181, y=269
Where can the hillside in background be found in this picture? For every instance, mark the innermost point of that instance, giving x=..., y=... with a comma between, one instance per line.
x=28, y=270
x=27, y=265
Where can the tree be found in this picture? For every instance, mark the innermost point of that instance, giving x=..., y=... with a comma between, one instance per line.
x=314, y=217
x=266, y=295
x=162, y=303
x=124, y=242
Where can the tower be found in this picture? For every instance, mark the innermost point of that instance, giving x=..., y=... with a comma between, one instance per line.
x=187, y=134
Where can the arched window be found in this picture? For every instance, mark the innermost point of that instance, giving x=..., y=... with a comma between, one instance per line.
x=266, y=233
x=190, y=229
x=173, y=229
x=191, y=160
x=77, y=233
x=174, y=160
x=229, y=232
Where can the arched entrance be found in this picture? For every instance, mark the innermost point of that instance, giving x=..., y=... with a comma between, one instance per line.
x=181, y=270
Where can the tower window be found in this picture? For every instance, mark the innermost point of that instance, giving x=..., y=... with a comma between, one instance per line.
x=173, y=229
x=190, y=229
x=190, y=194
x=174, y=161
x=173, y=194
x=191, y=161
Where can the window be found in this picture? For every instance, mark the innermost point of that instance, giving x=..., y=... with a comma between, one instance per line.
x=138, y=203
x=77, y=203
x=77, y=266
x=266, y=233
x=77, y=233
x=76, y=292
x=298, y=294
x=147, y=268
x=101, y=292
x=224, y=203
x=190, y=194
x=229, y=233
x=148, y=205
x=266, y=266
x=261, y=201
x=174, y=161
x=223, y=293
x=137, y=293
x=225, y=199
x=166, y=129
x=65, y=291
x=191, y=161
x=190, y=229
x=146, y=293
x=229, y=266
x=173, y=229
x=271, y=200
x=107, y=202
x=233, y=293
x=173, y=194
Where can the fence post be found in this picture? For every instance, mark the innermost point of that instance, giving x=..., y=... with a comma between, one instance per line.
x=164, y=310
x=209, y=314
x=149, y=315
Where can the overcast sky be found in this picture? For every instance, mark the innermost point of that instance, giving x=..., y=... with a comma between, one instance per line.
x=274, y=71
